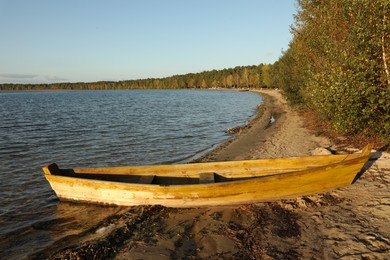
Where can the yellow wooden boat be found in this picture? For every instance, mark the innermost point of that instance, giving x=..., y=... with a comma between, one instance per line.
x=207, y=184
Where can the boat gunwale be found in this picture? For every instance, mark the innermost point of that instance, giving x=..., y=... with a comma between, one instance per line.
x=343, y=157
x=191, y=167
x=364, y=157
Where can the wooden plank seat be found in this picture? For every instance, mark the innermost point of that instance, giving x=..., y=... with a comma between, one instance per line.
x=146, y=179
x=206, y=177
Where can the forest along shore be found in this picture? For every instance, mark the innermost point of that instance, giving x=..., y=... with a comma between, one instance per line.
x=349, y=222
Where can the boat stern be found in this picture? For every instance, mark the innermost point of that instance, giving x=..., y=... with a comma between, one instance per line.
x=367, y=149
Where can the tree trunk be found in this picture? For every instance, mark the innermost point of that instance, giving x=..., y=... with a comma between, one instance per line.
x=384, y=51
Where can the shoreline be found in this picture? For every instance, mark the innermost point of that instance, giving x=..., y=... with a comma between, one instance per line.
x=262, y=139
x=257, y=123
x=348, y=222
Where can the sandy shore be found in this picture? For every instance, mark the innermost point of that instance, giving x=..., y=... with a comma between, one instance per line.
x=350, y=223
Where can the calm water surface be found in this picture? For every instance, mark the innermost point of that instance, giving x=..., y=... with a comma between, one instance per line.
x=92, y=129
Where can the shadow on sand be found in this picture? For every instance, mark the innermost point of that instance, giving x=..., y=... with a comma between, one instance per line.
x=373, y=158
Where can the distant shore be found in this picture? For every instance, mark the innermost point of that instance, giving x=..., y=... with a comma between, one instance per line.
x=349, y=222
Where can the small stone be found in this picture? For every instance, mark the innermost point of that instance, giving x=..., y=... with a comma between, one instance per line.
x=321, y=151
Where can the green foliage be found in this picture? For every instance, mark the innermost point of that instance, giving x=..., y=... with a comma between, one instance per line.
x=238, y=77
x=338, y=62
x=287, y=75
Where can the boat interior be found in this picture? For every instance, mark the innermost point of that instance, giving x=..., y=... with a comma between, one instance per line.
x=204, y=173
x=204, y=178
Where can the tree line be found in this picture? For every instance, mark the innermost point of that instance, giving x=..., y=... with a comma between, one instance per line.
x=238, y=77
x=338, y=64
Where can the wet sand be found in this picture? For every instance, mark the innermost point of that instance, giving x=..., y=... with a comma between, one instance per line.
x=347, y=223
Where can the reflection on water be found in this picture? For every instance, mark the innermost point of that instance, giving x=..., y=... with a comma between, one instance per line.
x=71, y=221
x=66, y=219
x=92, y=129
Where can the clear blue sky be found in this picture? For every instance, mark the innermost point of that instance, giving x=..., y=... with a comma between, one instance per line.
x=44, y=41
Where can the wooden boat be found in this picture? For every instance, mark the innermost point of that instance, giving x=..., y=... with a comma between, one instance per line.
x=207, y=184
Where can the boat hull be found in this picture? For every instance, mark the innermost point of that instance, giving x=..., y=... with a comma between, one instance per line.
x=258, y=187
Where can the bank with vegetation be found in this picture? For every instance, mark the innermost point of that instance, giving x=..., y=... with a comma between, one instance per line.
x=338, y=64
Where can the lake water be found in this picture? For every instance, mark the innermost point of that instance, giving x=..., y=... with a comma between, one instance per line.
x=92, y=129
